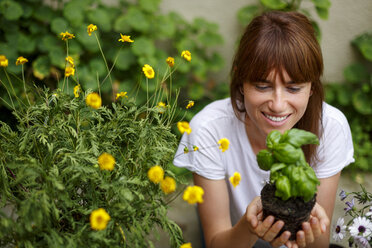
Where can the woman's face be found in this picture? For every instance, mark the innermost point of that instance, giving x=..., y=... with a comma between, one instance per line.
x=272, y=104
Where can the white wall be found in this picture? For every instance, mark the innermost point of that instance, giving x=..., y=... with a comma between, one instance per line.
x=347, y=19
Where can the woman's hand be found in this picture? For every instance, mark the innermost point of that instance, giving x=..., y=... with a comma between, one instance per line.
x=266, y=229
x=317, y=225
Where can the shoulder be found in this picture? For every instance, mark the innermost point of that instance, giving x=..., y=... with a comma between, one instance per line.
x=218, y=113
x=333, y=118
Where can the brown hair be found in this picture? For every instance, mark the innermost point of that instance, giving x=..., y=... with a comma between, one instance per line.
x=281, y=40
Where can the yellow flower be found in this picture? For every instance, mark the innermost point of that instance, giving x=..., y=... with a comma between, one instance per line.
x=235, y=179
x=3, y=61
x=155, y=174
x=21, y=60
x=121, y=94
x=66, y=36
x=193, y=194
x=195, y=148
x=148, y=71
x=125, y=38
x=99, y=219
x=190, y=104
x=168, y=185
x=170, y=61
x=77, y=90
x=161, y=107
x=183, y=126
x=69, y=71
x=91, y=28
x=224, y=144
x=186, y=55
x=70, y=60
x=106, y=161
x=94, y=100
x=186, y=245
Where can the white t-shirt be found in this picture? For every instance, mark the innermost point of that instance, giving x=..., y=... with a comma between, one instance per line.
x=218, y=120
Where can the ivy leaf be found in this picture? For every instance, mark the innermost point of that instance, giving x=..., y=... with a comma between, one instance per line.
x=74, y=14
x=125, y=59
x=362, y=103
x=11, y=10
x=43, y=14
x=143, y=46
x=165, y=27
x=274, y=4
x=364, y=44
x=150, y=6
x=356, y=73
x=59, y=25
x=137, y=20
x=246, y=14
x=322, y=12
x=121, y=25
x=325, y=4
x=26, y=44
x=101, y=18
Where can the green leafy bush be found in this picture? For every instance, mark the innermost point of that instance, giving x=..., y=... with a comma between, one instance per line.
x=353, y=97
x=247, y=13
x=30, y=27
x=76, y=173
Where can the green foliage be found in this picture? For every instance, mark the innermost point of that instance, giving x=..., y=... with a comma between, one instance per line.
x=247, y=13
x=29, y=28
x=51, y=180
x=353, y=98
x=292, y=175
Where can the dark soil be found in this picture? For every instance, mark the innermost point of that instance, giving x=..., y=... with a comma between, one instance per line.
x=293, y=212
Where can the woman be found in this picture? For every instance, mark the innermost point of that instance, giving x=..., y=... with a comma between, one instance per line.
x=275, y=84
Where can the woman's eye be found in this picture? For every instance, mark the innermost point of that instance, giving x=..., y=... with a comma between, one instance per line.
x=261, y=87
x=294, y=89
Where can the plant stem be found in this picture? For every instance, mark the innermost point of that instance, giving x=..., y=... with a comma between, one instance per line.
x=104, y=59
x=24, y=85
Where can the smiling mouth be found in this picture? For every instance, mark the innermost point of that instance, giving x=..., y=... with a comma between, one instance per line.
x=276, y=118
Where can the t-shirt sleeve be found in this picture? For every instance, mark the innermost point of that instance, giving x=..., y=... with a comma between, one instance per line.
x=336, y=149
x=207, y=160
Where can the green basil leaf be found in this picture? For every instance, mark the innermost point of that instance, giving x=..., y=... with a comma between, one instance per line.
x=265, y=159
x=307, y=189
x=298, y=137
x=273, y=139
x=286, y=153
x=283, y=188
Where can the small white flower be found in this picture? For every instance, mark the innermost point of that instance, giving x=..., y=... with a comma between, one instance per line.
x=339, y=230
x=361, y=227
x=361, y=242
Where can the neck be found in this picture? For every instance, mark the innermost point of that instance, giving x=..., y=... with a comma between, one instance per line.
x=256, y=138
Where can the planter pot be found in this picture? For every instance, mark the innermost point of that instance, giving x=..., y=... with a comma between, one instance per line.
x=293, y=212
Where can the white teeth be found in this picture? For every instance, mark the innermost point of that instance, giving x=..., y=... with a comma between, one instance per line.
x=276, y=119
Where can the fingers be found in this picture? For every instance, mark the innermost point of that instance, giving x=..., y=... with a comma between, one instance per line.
x=300, y=239
x=264, y=226
x=282, y=239
x=309, y=236
x=319, y=212
x=254, y=212
x=316, y=227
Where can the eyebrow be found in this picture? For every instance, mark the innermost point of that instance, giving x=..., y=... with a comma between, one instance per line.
x=269, y=82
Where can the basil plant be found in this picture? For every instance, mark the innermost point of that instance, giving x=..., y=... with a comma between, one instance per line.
x=292, y=175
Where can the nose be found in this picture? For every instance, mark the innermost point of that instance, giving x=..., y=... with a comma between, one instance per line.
x=278, y=102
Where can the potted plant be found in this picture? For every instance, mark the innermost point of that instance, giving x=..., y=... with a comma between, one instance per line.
x=290, y=193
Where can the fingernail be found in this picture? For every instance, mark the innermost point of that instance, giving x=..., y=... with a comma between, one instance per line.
x=323, y=227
